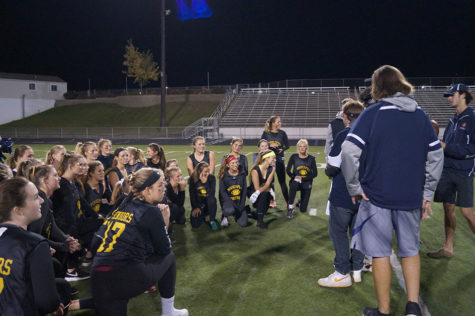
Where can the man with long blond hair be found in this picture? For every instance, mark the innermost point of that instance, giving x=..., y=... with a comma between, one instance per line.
x=401, y=166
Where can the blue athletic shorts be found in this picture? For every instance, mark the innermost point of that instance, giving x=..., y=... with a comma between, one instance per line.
x=455, y=188
x=373, y=231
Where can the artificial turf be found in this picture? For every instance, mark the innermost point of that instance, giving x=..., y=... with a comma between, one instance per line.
x=248, y=271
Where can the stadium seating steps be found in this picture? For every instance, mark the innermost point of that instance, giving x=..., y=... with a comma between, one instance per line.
x=314, y=107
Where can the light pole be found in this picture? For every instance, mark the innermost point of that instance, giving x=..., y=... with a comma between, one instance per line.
x=163, y=74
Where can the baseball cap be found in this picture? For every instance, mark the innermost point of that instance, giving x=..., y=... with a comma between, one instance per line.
x=459, y=87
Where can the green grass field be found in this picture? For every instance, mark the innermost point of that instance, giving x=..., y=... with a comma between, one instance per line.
x=246, y=271
x=112, y=115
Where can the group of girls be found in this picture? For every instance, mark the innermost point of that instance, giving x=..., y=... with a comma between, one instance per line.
x=106, y=209
x=66, y=202
x=233, y=186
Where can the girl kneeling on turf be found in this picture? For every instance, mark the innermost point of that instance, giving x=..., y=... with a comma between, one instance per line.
x=202, y=187
x=232, y=191
x=134, y=251
x=261, y=178
x=301, y=169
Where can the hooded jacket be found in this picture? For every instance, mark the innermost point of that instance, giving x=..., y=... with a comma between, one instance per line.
x=403, y=159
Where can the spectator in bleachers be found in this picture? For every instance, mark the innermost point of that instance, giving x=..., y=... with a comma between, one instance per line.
x=55, y=155
x=200, y=154
x=278, y=143
x=456, y=184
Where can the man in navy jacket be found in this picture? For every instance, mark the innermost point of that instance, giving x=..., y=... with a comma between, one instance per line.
x=456, y=184
x=401, y=160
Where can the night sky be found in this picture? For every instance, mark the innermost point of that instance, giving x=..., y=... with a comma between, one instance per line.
x=245, y=41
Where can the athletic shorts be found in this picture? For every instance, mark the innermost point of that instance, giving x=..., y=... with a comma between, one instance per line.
x=455, y=188
x=373, y=231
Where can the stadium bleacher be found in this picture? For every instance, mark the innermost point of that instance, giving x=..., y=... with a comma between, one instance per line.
x=299, y=107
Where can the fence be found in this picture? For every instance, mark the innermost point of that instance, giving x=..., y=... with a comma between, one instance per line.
x=93, y=132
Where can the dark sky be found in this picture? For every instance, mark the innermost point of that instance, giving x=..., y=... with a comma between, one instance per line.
x=245, y=41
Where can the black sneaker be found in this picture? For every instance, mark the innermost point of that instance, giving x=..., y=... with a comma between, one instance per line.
x=76, y=275
x=369, y=311
x=413, y=309
x=290, y=213
x=262, y=225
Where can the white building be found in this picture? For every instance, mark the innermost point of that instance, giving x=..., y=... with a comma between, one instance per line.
x=23, y=95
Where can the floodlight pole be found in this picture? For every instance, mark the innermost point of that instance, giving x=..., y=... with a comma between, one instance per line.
x=163, y=74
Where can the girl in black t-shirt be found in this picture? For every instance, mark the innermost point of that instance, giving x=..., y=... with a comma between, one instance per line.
x=28, y=283
x=278, y=143
x=134, y=250
x=202, y=187
x=302, y=169
x=232, y=191
x=200, y=154
x=156, y=156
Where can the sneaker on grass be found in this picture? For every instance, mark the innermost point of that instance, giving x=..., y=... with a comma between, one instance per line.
x=77, y=275
x=290, y=213
x=214, y=225
x=178, y=312
x=413, y=309
x=369, y=311
x=336, y=279
x=224, y=222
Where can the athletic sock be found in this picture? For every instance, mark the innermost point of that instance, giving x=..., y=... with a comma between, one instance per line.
x=291, y=206
x=167, y=305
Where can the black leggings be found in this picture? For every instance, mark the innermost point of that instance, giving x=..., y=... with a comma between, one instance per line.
x=280, y=170
x=177, y=214
x=209, y=209
x=304, y=194
x=262, y=203
x=112, y=289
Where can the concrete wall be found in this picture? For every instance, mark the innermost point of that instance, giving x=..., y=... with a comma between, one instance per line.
x=18, y=100
x=15, y=109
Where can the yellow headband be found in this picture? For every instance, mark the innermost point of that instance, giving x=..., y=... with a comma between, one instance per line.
x=271, y=154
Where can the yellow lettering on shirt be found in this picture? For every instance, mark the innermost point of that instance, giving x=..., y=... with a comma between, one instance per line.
x=5, y=266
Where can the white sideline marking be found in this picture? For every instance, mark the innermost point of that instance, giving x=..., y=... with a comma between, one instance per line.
x=396, y=265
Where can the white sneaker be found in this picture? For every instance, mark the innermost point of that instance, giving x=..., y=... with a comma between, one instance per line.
x=224, y=222
x=336, y=279
x=357, y=276
x=178, y=312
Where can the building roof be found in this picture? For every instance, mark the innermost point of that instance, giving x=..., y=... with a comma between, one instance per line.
x=6, y=75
